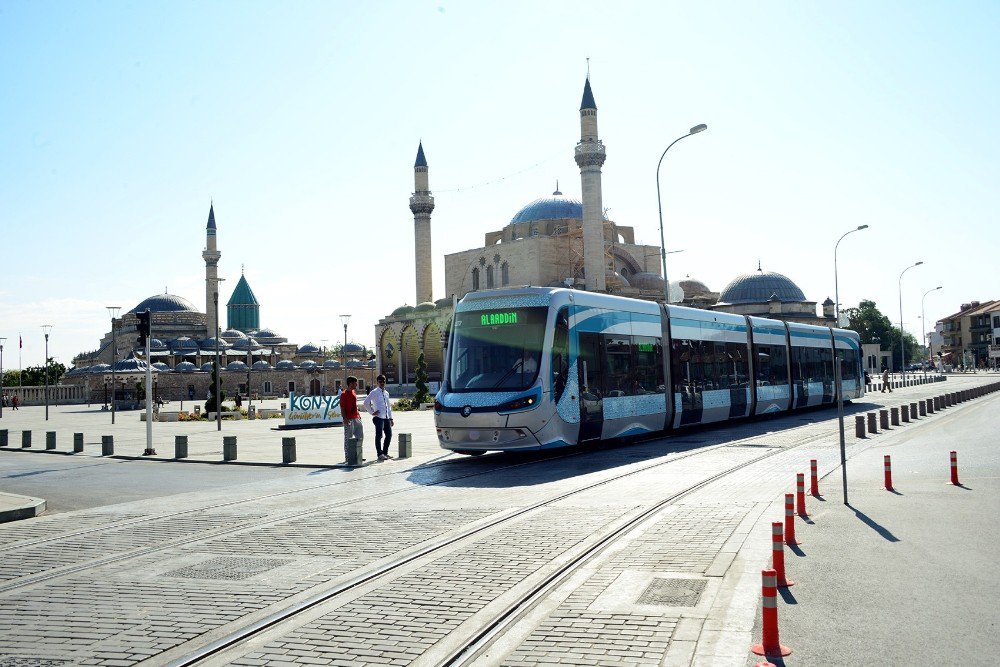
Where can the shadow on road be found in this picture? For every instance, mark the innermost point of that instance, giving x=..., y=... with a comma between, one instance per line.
x=874, y=525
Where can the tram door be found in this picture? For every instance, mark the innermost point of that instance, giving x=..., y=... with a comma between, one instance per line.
x=591, y=396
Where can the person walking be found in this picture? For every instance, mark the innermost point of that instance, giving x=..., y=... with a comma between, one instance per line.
x=885, y=381
x=349, y=411
x=377, y=404
x=14, y=402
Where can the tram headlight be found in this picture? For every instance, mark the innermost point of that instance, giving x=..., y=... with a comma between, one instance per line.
x=518, y=404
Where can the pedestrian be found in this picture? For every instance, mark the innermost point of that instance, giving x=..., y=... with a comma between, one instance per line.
x=238, y=401
x=377, y=405
x=885, y=381
x=350, y=414
x=14, y=402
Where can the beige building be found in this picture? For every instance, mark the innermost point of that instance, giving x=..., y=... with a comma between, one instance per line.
x=968, y=333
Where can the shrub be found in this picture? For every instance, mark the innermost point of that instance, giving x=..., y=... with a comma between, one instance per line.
x=405, y=405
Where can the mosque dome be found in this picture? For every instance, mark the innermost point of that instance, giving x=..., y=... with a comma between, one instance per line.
x=353, y=348
x=233, y=334
x=186, y=367
x=759, y=287
x=555, y=207
x=99, y=368
x=266, y=333
x=402, y=311
x=331, y=363
x=244, y=343
x=443, y=303
x=159, y=365
x=157, y=344
x=426, y=305
x=165, y=303
x=236, y=366
x=183, y=343
x=693, y=287
x=209, y=344
x=132, y=365
x=285, y=365
x=646, y=280
x=206, y=367
x=261, y=365
x=307, y=365
x=309, y=348
x=613, y=279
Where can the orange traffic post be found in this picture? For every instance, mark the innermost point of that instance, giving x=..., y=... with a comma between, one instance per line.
x=800, y=494
x=954, y=469
x=778, y=554
x=814, y=478
x=769, y=644
x=790, y=519
x=888, y=473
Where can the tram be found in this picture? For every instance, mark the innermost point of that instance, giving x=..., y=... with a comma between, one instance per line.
x=537, y=368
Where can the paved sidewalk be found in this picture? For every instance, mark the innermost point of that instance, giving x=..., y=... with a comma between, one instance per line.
x=14, y=507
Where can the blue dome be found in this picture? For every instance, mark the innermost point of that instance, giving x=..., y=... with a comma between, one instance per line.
x=285, y=365
x=309, y=348
x=185, y=367
x=183, y=343
x=261, y=365
x=165, y=303
x=759, y=286
x=550, y=208
x=236, y=366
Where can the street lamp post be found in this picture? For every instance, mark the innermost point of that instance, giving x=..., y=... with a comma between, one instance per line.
x=47, y=328
x=659, y=205
x=218, y=371
x=113, y=312
x=343, y=352
x=923, y=324
x=837, y=363
x=2, y=397
x=902, y=341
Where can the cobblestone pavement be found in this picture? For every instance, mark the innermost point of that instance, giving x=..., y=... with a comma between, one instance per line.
x=142, y=582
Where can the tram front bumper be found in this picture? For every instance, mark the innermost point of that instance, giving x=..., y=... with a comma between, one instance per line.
x=484, y=439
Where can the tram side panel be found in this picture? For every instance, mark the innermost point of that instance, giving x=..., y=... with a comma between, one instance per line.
x=811, y=355
x=710, y=369
x=770, y=355
x=848, y=345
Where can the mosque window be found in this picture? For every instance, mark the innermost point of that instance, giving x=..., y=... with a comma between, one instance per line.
x=534, y=230
x=489, y=277
x=504, y=274
x=267, y=387
x=475, y=279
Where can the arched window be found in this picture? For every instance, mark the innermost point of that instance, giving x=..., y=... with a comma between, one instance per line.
x=504, y=274
x=489, y=277
x=475, y=279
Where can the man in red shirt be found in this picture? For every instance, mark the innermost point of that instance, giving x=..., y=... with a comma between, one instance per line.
x=349, y=411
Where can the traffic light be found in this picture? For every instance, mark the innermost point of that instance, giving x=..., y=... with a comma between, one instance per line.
x=143, y=327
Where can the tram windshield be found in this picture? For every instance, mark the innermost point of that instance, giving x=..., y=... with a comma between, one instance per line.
x=496, y=350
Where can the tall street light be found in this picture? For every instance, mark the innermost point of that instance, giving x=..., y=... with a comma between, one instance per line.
x=2, y=398
x=837, y=370
x=343, y=352
x=659, y=204
x=923, y=324
x=47, y=328
x=218, y=371
x=902, y=341
x=113, y=312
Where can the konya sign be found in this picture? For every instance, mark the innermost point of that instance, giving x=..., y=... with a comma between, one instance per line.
x=317, y=410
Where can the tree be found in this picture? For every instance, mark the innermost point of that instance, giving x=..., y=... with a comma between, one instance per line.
x=211, y=402
x=422, y=395
x=875, y=327
x=34, y=376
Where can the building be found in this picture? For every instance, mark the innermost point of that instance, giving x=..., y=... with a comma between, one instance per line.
x=185, y=342
x=968, y=333
x=557, y=241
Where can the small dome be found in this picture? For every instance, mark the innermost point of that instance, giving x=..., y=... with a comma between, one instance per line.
x=157, y=344
x=426, y=305
x=245, y=343
x=550, y=208
x=353, y=348
x=646, y=280
x=331, y=363
x=309, y=348
x=132, y=365
x=285, y=365
x=307, y=365
x=694, y=288
x=236, y=366
x=209, y=344
x=757, y=287
x=402, y=311
x=615, y=279
x=159, y=365
x=443, y=303
x=187, y=367
x=183, y=343
x=207, y=368
x=261, y=365
x=828, y=302
x=233, y=334
x=165, y=303
x=99, y=368
x=266, y=333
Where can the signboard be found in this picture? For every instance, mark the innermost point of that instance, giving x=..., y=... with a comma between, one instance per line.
x=312, y=410
x=994, y=351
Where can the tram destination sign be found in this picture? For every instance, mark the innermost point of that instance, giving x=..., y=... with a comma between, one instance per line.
x=498, y=319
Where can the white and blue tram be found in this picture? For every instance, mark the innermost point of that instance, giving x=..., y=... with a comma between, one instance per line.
x=536, y=368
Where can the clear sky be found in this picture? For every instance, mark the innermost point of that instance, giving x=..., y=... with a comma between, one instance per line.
x=121, y=121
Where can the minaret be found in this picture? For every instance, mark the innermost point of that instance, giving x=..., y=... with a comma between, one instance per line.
x=422, y=204
x=590, y=157
x=211, y=255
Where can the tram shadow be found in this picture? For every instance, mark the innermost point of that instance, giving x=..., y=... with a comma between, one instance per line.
x=498, y=470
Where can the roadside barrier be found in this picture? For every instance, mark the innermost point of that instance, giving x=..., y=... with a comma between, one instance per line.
x=405, y=444
x=790, y=520
x=954, y=469
x=3, y=437
x=288, y=450
x=800, y=494
x=888, y=473
x=872, y=428
x=904, y=413
x=78, y=443
x=769, y=644
x=229, y=448
x=859, y=426
x=107, y=445
x=894, y=416
x=913, y=410
x=355, y=456
x=778, y=554
x=25, y=439
x=814, y=478
x=50, y=440
x=883, y=419
x=930, y=403
x=180, y=446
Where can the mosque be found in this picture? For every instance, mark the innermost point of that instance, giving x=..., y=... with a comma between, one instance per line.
x=184, y=342
x=563, y=242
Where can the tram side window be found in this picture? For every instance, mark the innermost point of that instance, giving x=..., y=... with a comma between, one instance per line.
x=733, y=366
x=617, y=364
x=800, y=364
x=686, y=365
x=560, y=353
x=849, y=369
x=772, y=364
x=825, y=364
x=647, y=354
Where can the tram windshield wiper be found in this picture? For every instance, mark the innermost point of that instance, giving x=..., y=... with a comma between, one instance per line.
x=503, y=378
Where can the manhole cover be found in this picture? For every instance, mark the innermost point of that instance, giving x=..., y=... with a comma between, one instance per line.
x=673, y=592
x=229, y=568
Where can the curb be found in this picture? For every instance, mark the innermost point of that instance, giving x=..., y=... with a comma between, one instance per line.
x=26, y=507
